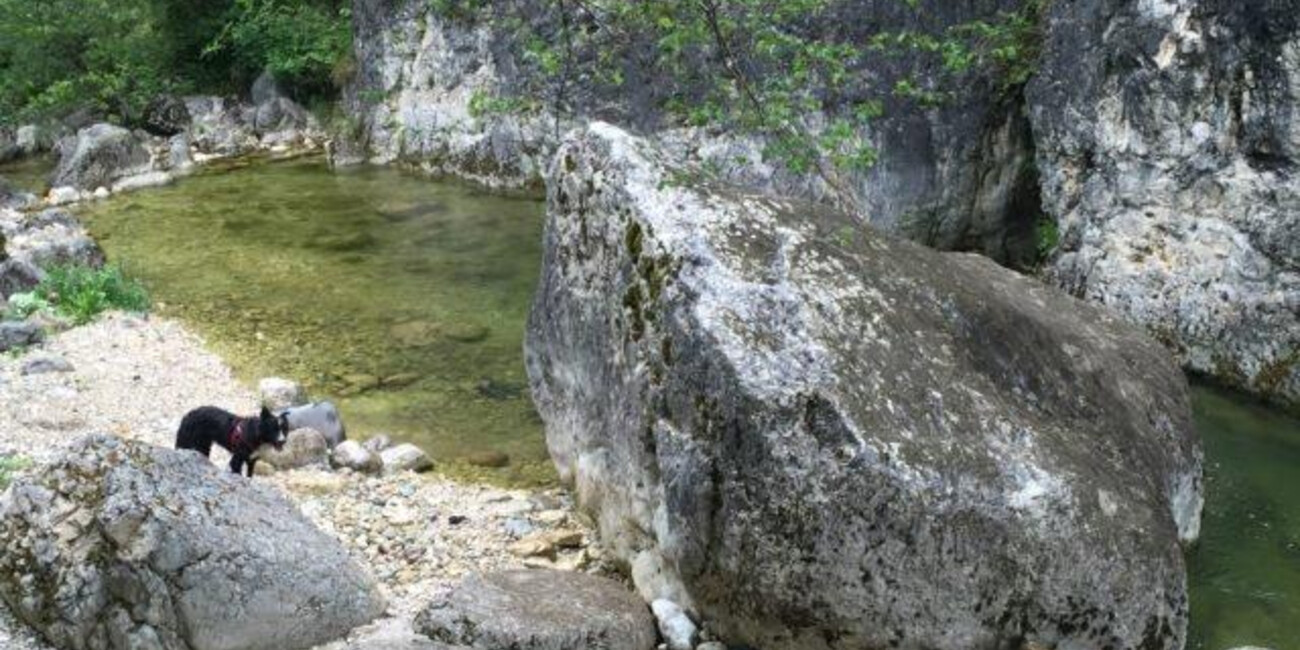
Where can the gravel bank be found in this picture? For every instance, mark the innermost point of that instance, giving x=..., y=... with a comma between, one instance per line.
x=418, y=534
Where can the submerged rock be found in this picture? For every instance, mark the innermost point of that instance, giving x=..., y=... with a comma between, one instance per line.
x=816, y=436
x=120, y=544
x=98, y=156
x=539, y=610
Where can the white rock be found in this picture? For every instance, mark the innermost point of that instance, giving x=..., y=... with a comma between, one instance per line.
x=405, y=457
x=352, y=455
x=675, y=626
x=279, y=393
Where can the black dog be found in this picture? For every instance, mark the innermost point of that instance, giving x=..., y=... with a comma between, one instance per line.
x=240, y=436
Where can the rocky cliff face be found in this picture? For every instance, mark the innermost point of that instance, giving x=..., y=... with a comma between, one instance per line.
x=1168, y=137
x=957, y=176
x=817, y=436
x=1164, y=134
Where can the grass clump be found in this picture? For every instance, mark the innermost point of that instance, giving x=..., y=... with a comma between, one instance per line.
x=10, y=465
x=81, y=292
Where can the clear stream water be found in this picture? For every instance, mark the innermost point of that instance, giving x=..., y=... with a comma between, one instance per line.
x=401, y=299
x=404, y=300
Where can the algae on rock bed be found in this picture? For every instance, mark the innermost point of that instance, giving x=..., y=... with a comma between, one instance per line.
x=402, y=299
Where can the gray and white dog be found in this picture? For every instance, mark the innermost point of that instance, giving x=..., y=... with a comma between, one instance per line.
x=321, y=416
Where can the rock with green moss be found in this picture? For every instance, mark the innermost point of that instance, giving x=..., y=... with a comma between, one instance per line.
x=810, y=440
x=121, y=544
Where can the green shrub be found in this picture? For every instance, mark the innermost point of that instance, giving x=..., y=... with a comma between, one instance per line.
x=10, y=465
x=22, y=305
x=81, y=292
x=1049, y=237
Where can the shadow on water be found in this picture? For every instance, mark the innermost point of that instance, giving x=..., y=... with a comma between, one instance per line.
x=30, y=174
x=402, y=299
x=1244, y=574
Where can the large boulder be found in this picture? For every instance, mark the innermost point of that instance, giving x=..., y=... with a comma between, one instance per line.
x=98, y=156
x=816, y=436
x=166, y=115
x=1168, y=138
x=124, y=545
x=33, y=139
x=539, y=610
x=220, y=126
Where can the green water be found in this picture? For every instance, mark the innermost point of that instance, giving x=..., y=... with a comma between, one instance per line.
x=31, y=174
x=1245, y=572
x=401, y=299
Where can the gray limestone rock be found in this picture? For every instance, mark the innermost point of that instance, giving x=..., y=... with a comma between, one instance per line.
x=352, y=455
x=98, y=156
x=120, y=544
x=540, y=610
x=1168, y=138
x=816, y=436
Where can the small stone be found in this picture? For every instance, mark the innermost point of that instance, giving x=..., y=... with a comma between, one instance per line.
x=711, y=645
x=491, y=459
x=536, y=609
x=352, y=455
x=457, y=520
x=19, y=335
x=304, y=448
x=378, y=443
x=517, y=527
x=405, y=457
x=400, y=515
x=278, y=393
x=676, y=627
x=42, y=365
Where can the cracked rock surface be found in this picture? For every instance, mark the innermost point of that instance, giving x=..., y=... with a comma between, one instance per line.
x=540, y=609
x=814, y=436
x=120, y=544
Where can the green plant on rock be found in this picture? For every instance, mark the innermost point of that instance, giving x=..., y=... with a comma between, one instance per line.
x=81, y=292
x=786, y=71
x=10, y=465
x=1048, y=237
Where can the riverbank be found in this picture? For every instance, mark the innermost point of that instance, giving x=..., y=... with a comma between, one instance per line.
x=135, y=377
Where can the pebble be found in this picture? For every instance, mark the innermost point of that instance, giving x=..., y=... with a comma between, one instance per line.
x=46, y=364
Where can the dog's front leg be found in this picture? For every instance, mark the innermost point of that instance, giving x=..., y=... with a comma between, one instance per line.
x=251, y=462
x=236, y=464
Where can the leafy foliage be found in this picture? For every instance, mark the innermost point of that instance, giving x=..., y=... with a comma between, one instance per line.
x=56, y=55
x=780, y=69
x=1048, y=236
x=113, y=56
x=9, y=465
x=81, y=292
x=303, y=42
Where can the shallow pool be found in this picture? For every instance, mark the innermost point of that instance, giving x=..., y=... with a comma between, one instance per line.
x=402, y=299
x=1245, y=572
